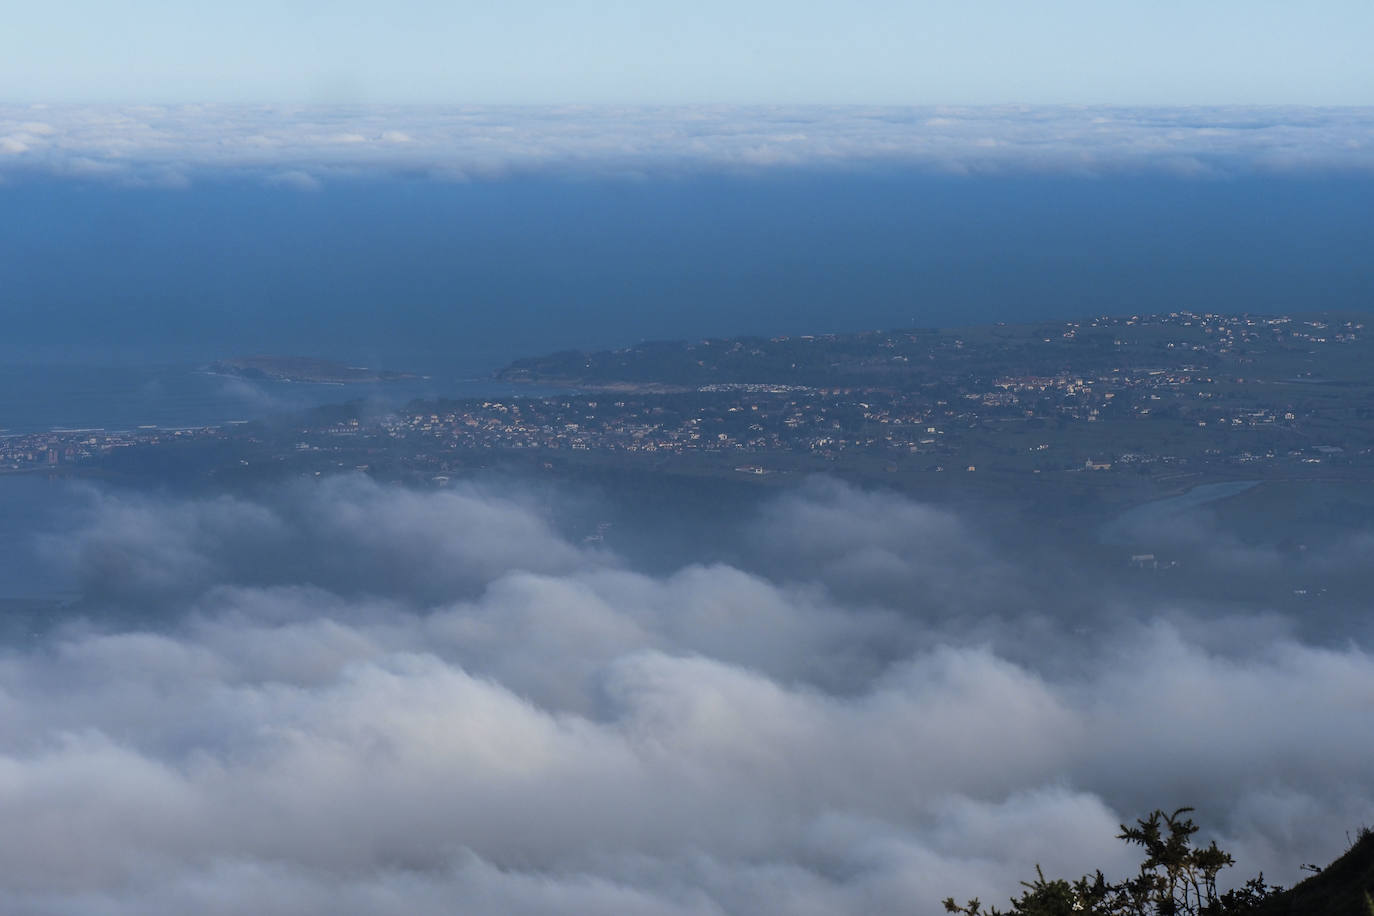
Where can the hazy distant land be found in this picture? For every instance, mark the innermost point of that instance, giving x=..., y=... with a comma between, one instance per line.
x=1049, y=486
x=1143, y=402
x=303, y=369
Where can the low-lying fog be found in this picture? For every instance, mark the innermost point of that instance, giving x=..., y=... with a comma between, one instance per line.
x=497, y=697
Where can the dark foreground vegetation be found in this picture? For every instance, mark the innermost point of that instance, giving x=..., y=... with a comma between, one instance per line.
x=1178, y=878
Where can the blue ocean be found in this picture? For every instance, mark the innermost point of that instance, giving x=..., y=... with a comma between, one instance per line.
x=112, y=299
x=458, y=278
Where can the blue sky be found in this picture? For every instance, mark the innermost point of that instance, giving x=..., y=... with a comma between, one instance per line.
x=1116, y=52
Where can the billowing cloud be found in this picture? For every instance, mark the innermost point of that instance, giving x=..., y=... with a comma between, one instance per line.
x=868, y=545
x=370, y=699
x=300, y=147
x=345, y=531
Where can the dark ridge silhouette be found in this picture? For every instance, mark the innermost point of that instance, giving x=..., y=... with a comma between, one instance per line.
x=1177, y=878
x=1343, y=888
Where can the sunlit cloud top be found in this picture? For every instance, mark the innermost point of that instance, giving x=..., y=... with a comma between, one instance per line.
x=306, y=147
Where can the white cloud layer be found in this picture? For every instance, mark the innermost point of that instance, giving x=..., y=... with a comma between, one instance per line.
x=366, y=699
x=298, y=147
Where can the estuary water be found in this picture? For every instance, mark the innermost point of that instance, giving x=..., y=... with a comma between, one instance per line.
x=1152, y=515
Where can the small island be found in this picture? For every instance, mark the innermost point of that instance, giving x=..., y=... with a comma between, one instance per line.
x=302, y=369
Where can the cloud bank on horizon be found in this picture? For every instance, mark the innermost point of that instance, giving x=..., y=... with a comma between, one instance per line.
x=300, y=147
x=350, y=697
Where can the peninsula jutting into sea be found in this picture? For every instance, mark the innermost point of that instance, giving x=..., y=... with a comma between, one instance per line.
x=302, y=369
x=1164, y=398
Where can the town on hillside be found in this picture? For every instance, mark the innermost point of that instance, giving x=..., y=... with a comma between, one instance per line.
x=1166, y=397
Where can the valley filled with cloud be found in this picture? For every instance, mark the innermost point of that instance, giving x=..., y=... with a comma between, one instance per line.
x=344, y=696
